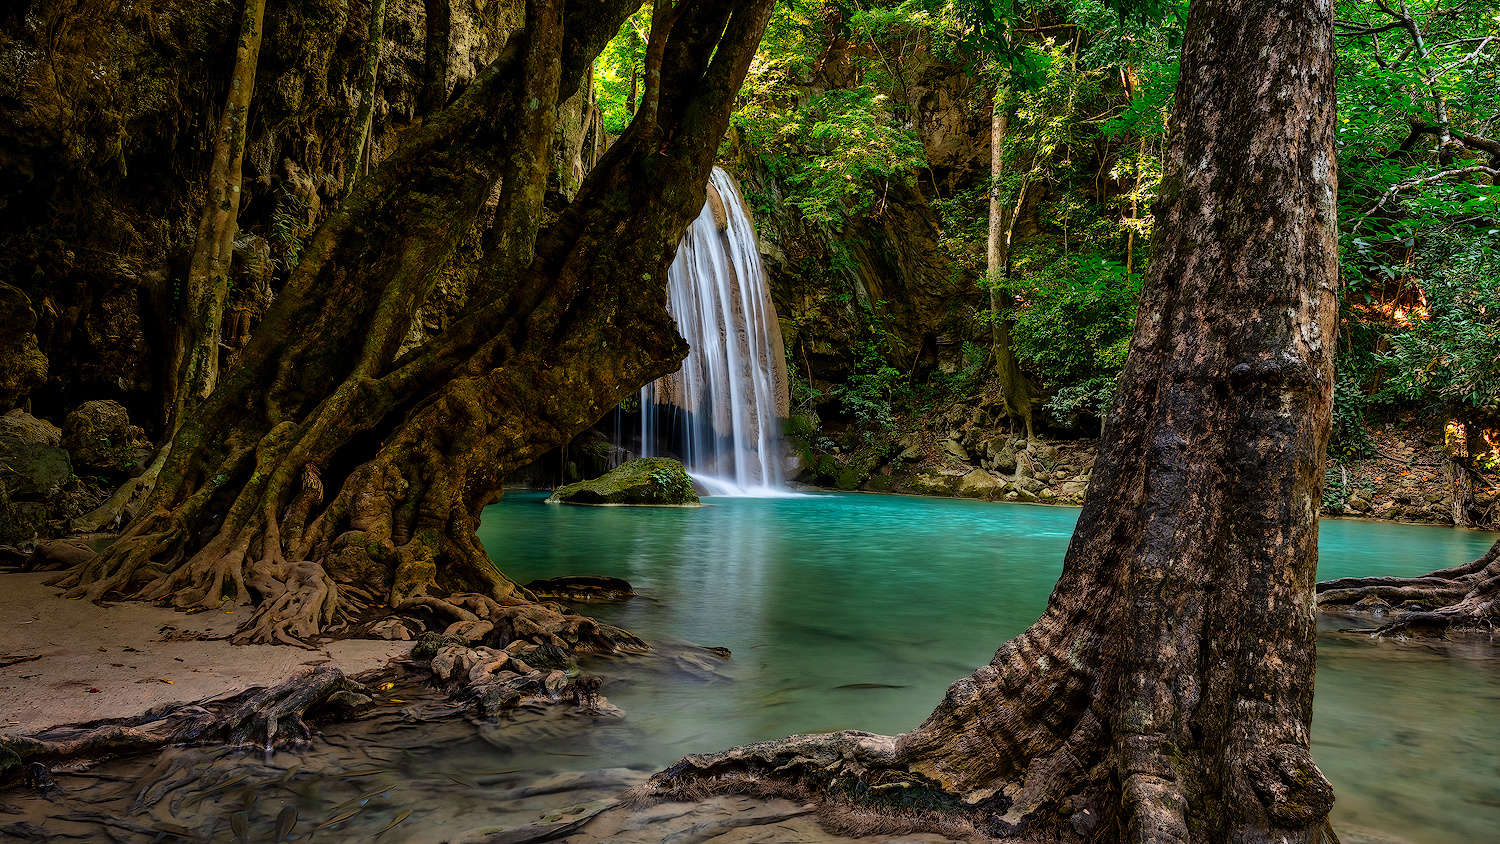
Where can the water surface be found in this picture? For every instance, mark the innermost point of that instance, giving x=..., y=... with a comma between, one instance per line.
x=857, y=611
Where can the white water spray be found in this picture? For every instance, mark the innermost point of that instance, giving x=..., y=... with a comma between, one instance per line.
x=726, y=405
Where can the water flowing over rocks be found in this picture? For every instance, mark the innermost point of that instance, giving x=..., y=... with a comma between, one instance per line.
x=722, y=412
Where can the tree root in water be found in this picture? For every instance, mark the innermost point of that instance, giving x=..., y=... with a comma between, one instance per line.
x=1462, y=597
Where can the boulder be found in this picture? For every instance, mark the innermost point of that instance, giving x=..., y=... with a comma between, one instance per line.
x=32, y=465
x=647, y=481
x=1004, y=459
x=956, y=449
x=98, y=435
x=980, y=484
x=926, y=484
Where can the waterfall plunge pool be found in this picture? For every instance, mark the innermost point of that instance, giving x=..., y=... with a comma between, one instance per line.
x=850, y=611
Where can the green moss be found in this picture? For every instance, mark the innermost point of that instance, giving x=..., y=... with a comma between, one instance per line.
x=646, y=481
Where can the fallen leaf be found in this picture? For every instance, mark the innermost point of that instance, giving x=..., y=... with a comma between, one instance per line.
x=93, y=691
x=385, y=687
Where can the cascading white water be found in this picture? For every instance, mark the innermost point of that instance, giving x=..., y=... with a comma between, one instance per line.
x=725, y=407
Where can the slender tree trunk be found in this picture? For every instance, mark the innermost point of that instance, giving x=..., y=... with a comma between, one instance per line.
x=1014, y=387
x=207, y=286
x=435, y=62
x=362, y=116
x=1165, y=694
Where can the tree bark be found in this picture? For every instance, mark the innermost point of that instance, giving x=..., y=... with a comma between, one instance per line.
x=208, y=275
x=411, y=448
x=361, y=136
x=1165, y=694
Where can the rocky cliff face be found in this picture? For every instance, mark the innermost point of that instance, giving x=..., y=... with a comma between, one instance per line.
x=895, y=263
x=107, y=115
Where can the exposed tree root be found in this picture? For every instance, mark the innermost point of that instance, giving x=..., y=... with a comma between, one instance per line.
x=1463, y=597
x=261, y=717
x=855, y=779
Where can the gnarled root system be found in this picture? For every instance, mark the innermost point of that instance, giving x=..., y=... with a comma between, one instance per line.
x=1455, y=598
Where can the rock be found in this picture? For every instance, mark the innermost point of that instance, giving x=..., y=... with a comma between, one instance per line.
x=1358, y=504
x=980, y=484
x=909, y=454
x=1004, y=461
x=31, y=463
x=644, y=481
x=392, y=629
x=1031, y=485
x=881, y=483
x=1075, y=487
x=19, y=424
x=428, y=644
x=22, y=365
x=582, y=588
x=956, y=449
x=98, y=435
x=929, y=484
x=1023, y=494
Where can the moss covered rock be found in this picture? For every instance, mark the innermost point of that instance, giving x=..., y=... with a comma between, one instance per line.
x=648, y=481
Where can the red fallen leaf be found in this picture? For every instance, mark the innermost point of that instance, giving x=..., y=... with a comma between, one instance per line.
x=93, y=691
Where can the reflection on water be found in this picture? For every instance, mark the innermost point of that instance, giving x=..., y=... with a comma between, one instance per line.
x=857, y=611
x=842, y=611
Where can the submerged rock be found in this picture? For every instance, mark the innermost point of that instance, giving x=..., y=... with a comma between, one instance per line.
x=595, y=587
x=645, y=481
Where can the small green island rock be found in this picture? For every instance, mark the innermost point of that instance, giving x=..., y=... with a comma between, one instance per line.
x=651, y=481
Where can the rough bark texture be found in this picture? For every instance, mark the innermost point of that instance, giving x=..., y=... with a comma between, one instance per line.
x=1466, y=596
x=410, y=446
x=1165, y=694
x=208, y=275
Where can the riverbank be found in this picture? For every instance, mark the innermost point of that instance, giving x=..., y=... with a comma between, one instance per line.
x=70, y=662
x=1404, y=477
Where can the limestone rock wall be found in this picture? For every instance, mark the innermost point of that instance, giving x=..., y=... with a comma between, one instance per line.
x=107, y=113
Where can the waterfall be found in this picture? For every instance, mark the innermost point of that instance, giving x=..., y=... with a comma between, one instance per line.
x=724, y=409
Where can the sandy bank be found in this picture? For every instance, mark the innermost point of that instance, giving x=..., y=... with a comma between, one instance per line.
x=83, y=661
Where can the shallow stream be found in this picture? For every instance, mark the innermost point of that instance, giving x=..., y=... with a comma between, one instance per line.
x=842, y=612
x=857, y=611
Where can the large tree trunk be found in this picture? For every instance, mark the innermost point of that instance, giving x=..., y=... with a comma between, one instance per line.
x=555, y=332
x=1165, y=695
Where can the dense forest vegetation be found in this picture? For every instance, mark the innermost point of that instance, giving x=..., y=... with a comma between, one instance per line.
x=864, y=133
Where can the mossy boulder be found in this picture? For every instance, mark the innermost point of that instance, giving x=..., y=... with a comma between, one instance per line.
x=645, y=481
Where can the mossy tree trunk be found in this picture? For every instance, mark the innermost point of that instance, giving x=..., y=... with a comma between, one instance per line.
x=1165, y=694
x=207, y=287
x=326, y=472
